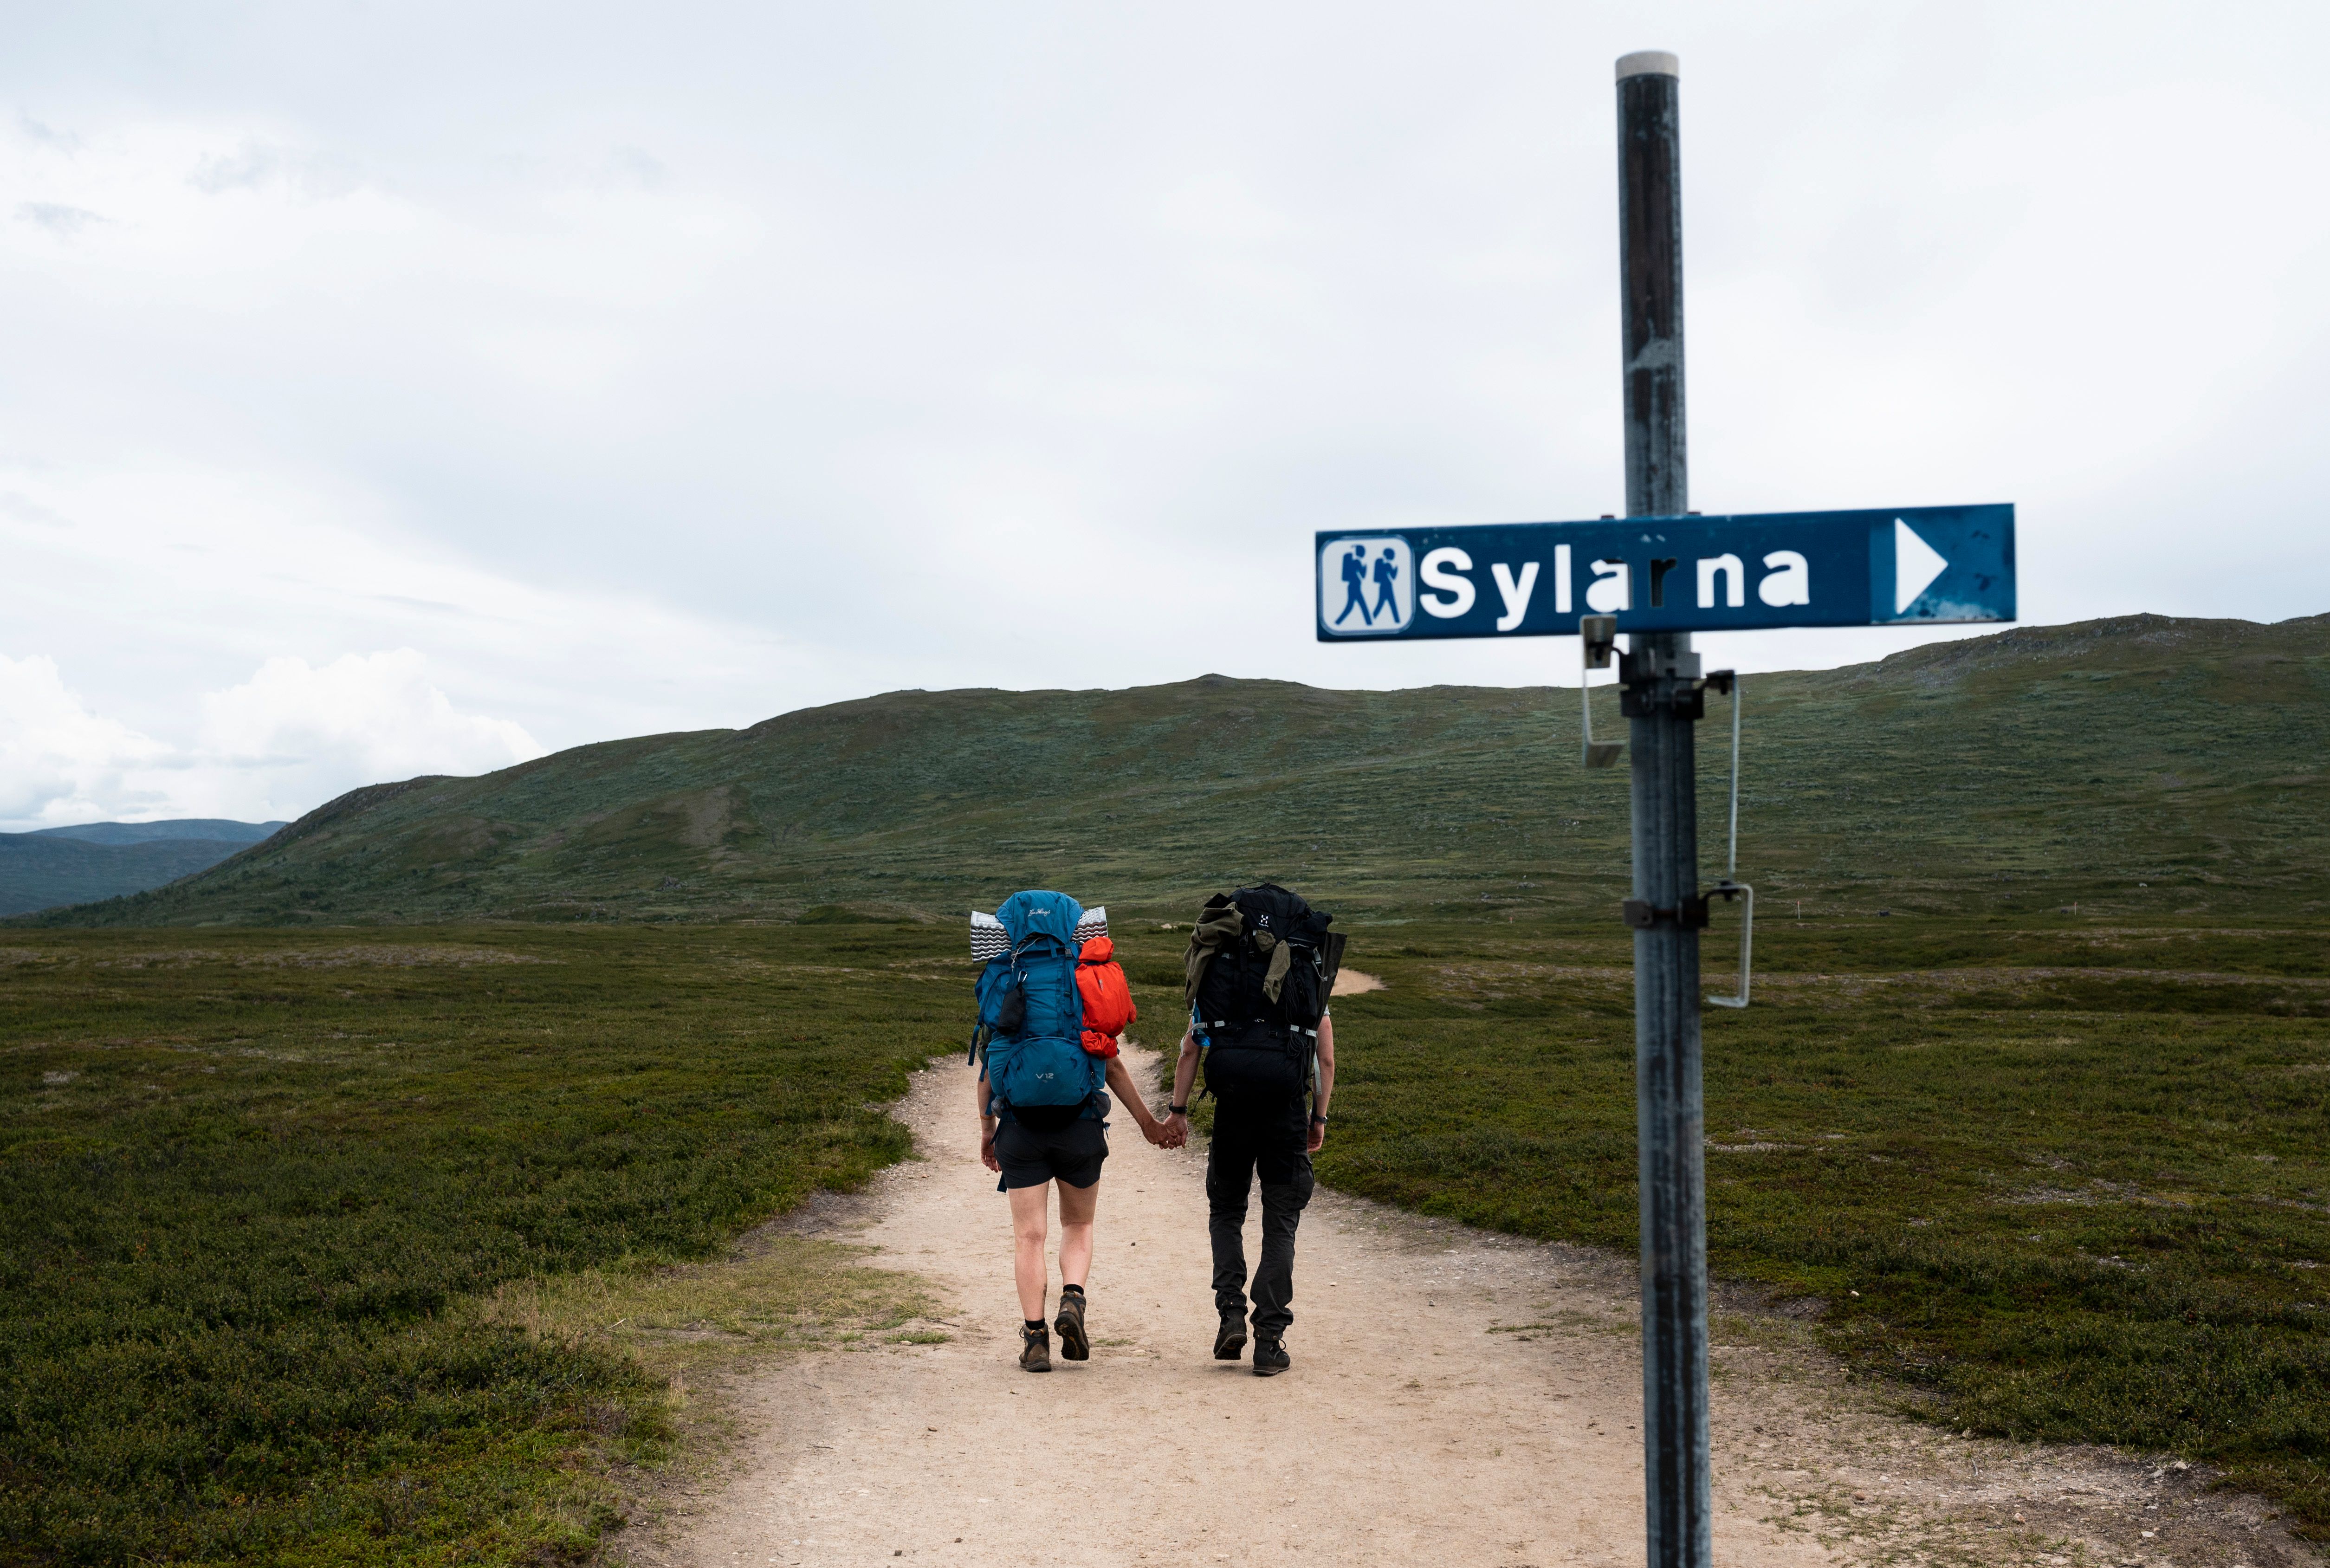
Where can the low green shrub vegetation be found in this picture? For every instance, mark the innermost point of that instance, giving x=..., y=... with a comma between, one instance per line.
x=334, y=1248
x=2063, y=1179
x=265, y=1200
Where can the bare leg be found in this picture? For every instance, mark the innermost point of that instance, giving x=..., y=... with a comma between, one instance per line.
x=1028, y=1213
x=1076, y=1206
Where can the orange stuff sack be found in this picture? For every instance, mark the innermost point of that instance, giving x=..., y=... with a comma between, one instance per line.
x=1108, y=1000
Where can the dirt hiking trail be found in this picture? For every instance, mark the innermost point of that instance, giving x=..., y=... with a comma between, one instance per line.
x=1457, y=1398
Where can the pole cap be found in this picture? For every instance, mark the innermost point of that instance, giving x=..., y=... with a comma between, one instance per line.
x=1649, y=62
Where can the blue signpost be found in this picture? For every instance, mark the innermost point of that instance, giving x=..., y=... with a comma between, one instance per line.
x=1658, y=575
x=1745, y=572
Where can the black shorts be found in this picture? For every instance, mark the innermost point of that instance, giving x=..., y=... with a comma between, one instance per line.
x=1032, y=1157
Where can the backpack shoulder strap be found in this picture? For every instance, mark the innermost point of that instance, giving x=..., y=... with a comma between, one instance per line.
x=1330, y=957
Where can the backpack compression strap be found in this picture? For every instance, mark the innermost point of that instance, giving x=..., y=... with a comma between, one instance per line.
x=1206, y=1025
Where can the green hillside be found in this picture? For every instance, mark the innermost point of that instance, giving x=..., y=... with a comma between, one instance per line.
x=2142, y=764
x=41, y=870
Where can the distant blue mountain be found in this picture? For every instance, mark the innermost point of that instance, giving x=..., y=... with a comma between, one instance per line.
x=80, y=865
x=218, y=828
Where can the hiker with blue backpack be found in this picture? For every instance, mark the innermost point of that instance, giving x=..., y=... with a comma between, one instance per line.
x=1260, y=966
x=1043, y=1104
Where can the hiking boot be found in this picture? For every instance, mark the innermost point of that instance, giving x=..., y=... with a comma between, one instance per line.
x=1073, y=1345
x=1035, y=1349
x=1230, y=1343
x=1270, y=1357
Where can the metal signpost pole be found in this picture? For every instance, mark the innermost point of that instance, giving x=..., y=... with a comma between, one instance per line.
x=1664, y=700
x=1658, y=577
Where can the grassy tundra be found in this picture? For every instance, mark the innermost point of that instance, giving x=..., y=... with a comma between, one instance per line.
x=2056, y=1180
x=314, y=1240
x=282, y=1218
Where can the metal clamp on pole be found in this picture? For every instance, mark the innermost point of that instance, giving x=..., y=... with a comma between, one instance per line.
x=1655, y=677
x=1597, y=636
x=1643, y=916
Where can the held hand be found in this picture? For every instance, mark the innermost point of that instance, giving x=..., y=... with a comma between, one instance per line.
x=987, y=1153
x=1317, y=1140
x=1176, y=1131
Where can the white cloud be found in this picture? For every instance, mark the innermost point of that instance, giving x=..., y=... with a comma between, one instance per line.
x=300, y=734
x=59, y=762
x=232, y=569
x=290, y=738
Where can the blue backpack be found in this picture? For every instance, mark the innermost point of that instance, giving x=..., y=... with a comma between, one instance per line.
x=1031, y=1018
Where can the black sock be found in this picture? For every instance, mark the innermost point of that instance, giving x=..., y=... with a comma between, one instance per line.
x=1077, y=1289
x=1037, y=1323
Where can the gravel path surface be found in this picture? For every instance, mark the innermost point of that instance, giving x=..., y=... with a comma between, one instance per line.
x=1457, y=1398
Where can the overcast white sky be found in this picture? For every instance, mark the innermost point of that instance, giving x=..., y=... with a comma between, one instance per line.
x=402, y=388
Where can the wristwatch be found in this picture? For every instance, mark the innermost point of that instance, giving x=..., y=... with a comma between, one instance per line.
x=1317, y=1120
x=1179, y=1111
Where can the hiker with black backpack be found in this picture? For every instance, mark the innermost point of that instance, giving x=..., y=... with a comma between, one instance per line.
x=1260, y=968
x=1042, y=1109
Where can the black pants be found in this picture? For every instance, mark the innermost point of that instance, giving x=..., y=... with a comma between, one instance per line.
x=1252, y=1140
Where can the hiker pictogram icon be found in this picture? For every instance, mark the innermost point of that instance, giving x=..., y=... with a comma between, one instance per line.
x=1367, y=585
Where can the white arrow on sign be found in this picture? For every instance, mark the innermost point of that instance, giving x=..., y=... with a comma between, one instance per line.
x=1916, y=565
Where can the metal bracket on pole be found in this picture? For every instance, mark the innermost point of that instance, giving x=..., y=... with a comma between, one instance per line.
x=1726, y=889
x=1597, y=636
x=1727, y=682
x=1731, y=886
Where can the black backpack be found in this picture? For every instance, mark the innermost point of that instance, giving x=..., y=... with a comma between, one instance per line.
x=1261, y=968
